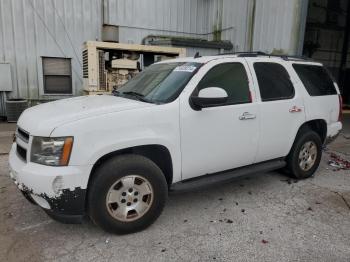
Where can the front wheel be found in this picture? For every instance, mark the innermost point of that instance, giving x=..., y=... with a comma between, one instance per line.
x=305, y=155
x=127, y=194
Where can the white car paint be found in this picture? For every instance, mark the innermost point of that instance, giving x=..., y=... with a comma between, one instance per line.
x=212, y=92
x=214, y=139
x=276, y=139
x=200, y=142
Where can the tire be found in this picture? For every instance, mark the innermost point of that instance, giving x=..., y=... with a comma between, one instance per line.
x=307, y=144
x=109, y=196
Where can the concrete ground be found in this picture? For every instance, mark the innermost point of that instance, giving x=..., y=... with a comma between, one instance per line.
x=262, y=217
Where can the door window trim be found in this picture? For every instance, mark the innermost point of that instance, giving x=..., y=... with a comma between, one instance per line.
x=196, y=91
x=257, y=82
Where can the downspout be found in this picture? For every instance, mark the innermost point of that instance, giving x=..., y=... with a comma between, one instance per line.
x=302, y=27
x=251, y=5
x=218, y=23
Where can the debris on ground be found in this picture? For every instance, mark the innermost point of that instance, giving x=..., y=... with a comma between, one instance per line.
x=242, y=210
x=290, y=181
x=260, y=232
x=264, y=241
x=224, y=210
x=229, y=221
x=338, y=163
x=107, y=241
x=220, y=199
x=8, y=214
x=249, y=192
x=309, y=209
x=185, y=220
x=163, y=250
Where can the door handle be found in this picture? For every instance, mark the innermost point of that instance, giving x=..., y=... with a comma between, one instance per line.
x=295, y=109
x=247, y=116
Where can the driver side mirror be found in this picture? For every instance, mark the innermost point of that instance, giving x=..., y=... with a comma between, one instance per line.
x=208, y=97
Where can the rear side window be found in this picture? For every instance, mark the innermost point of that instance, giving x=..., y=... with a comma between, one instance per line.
x=316, y=80
x=274, y=81
x=231, y=77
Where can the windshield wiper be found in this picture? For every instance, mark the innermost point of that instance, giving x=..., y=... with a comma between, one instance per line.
x=139, y=96
x=115, y=92
x=133, y=93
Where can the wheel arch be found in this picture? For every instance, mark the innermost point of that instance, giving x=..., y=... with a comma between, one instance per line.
x=159, y=154
x=317, y=125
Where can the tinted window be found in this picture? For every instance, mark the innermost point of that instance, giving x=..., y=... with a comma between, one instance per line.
x=232, y=78
x=274, y=81
x=315, y=79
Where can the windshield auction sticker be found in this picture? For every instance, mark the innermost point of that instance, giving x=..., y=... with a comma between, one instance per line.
x=184, y=68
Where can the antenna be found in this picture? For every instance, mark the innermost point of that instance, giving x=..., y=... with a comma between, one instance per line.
x=197, y=55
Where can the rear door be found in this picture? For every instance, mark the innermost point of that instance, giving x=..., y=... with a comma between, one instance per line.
x=280, y=104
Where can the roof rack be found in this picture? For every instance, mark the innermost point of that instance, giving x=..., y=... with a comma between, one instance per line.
x=259, y=53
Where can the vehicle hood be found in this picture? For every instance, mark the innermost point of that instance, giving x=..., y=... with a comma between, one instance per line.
x=42, y=119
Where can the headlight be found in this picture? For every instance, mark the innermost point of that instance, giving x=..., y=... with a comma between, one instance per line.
x=51, y=151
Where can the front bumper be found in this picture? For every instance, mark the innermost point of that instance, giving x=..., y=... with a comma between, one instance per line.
x=61, y=191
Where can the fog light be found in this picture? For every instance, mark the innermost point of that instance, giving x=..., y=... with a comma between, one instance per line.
x=40, y=201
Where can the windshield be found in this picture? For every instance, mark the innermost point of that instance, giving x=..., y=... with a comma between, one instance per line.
x=159, y=83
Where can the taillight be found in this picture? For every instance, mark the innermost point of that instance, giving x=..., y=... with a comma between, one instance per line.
x=340, y=116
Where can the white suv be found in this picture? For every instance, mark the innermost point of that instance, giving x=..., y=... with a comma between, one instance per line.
x=178, y=124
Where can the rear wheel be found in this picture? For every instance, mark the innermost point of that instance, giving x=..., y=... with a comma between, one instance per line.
x=305, y=155
x=127, y=194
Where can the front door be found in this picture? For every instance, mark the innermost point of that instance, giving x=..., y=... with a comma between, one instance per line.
x=223, y=137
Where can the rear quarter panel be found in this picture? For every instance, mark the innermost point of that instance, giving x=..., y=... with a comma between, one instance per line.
x=319, y=107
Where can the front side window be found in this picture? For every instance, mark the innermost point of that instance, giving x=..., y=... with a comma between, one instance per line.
x=274, y=81
x=159, y=83
x=231, y=77
x=57, y=73
x=315, y=79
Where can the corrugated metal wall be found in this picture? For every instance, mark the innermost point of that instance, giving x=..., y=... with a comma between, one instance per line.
x=196, y=18
x=278, y=26
x=30, y=29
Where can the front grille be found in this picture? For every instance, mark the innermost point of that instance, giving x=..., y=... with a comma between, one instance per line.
x=22, y=153
x=23, y=134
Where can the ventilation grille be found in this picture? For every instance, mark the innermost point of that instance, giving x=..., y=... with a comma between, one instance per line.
x=85, y=64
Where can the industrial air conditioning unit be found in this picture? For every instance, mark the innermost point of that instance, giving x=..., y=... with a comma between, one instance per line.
x=107, y=66
x=14, y=108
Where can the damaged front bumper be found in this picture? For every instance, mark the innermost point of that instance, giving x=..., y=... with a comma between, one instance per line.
x=60, y=191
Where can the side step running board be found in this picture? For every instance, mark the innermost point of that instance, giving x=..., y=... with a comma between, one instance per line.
x=221, y=177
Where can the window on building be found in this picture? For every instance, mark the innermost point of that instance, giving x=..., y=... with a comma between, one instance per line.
x=274, y=81
x=57, y=75
x=231, y=77
x=315, y=79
